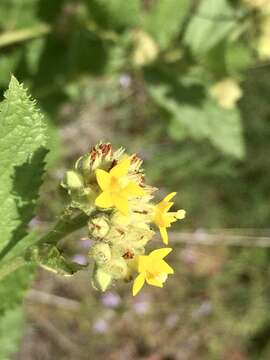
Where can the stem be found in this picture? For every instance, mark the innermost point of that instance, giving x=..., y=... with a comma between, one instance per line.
x=62, y=228
x=15, y=36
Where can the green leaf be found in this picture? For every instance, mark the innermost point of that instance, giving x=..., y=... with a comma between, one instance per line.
x=200, y=118
x=11, y=332
x=238, y=57
x=163, y=22
x=50, y=258
x=13, y=287
x=212, y=22
x=22, y=152
x=116, y=14
x=12, y=290
x=17, y=14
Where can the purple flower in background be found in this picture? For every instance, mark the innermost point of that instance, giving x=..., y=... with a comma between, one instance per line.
x=189, y=256
x=85, y=243
x=100, y=326
x=203, y=310
x=125, y=81
x=34, y=223
x=172, y=320
x=141, y=305
x=80, y=259
x=111, y=299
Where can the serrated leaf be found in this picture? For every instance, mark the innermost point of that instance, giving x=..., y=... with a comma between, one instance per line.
x=164, y=20
x=12, y=291
x=14, y=285
x=212, y=22
x=203, y=119
x=22, y=152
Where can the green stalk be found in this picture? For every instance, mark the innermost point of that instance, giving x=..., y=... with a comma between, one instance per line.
x=15, y=36
x=62, y=228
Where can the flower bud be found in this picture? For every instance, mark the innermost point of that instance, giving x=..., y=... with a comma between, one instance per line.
x=101, y=279
x=118, y=268
x=99, y=227
x=73, y=181
x=83, y=165
x=101, y=253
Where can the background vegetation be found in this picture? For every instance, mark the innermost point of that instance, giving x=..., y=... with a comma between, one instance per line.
x=185, y=84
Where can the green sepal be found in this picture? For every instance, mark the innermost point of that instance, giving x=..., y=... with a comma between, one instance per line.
x=50, y=258
x=101, y=279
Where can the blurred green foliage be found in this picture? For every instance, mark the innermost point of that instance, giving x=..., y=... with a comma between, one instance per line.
x=143, y=74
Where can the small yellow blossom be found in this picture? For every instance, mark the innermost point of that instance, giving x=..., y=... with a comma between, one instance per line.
x=146, y=49
x=152, y=269
x=227, y=92
x=163, y=218
x=116, y=187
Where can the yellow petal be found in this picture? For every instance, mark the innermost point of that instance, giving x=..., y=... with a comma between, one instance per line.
x=104, y=200
x=121, y=169
x=138, y=284
x=121, y=203
x=164, y=206
x=164, y=235
x=154, y=281
x=161, y=253
x=158, y=218
x=133, y=189
x=165, y=268
x=144, y=263
x=103, y=179
x=170, y=196
x=181, y=214
x=169, y=219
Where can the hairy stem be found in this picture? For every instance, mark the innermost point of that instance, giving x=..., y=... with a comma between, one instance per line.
x=65, y=226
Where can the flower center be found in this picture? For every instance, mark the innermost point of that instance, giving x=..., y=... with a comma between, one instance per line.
x=115, y=185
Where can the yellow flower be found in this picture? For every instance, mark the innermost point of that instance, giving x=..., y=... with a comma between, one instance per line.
x=152, y=269
x=163, y=218
x=116, y=188
x=227, y=92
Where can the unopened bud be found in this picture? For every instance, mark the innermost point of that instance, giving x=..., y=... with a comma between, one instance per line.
x=101, y=279
x=118, y=268
x=73, y=181
x=101, y=253
x=83, y=165
x=99, y=227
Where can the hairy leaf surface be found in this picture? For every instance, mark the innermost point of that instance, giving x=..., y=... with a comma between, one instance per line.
x=22, y=152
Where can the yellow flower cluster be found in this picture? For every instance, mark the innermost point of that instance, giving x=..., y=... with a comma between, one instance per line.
x=109, y=187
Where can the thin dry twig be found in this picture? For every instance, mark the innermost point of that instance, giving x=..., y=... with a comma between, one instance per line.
x=53, y=300
x=58, y=337
x=201, y=237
